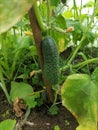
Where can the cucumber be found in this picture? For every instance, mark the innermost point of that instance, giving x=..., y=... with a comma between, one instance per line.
x=50, y=59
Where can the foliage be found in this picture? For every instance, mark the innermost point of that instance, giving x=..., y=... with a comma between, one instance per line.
x=79, y=96
x=7, y=21
x=53, y=110
x=56, y=127
x=75, y=32
x=25, y=92
x=7, y=124
x=95, y=76
x=12, y=63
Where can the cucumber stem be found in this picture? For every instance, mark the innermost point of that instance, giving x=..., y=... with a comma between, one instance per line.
x=82, y=64
x=48, y=15
x=38, y=17
x=38, y=39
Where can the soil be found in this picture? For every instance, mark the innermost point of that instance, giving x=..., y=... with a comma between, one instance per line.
x=39, y=117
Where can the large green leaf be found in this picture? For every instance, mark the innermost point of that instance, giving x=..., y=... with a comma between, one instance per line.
x=24, y=91
x=7, y=124
x=79, y=96
x=11, y=11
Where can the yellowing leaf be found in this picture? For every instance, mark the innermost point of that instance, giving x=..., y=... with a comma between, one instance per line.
x=79, y=95
x=11, y=11
x=90, y=126
x=61, y=45
x=28, y=33
x=22, y=90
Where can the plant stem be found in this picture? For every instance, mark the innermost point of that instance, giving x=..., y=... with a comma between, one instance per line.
x=84, y=35
x=76, y=50
x=48, y=14
x=60, y=30
x=27, y=113
x=5, y=92
x=34, y=93
x=38, y=39
x=82, y=64
x=38, y=17
x=80, y=11
x=3, y=86
x=75, y=9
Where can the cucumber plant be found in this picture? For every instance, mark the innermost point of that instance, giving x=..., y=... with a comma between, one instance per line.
x=52, y=38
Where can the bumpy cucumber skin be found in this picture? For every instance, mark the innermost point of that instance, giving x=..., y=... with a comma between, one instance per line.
x=51, y=60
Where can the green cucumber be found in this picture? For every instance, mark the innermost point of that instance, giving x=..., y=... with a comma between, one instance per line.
x=50, y=59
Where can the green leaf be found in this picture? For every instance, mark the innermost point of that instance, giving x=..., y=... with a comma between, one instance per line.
x=33, y=50
x=56, y=127
x=53, y=110
x=68, y=14
x=24, y=41
x=89, y=38
x=61, y=39
x=7, y=124
x=54, y=2
x=89, y=4
x=11, y=12
x=78, y=29
x=79, y=96
x=95, y=80
x=95, y=76
x=60, y=22
x=24, y=91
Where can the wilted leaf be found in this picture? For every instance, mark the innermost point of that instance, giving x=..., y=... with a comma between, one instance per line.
x=61, y=45
x=79, y=96
x=22, y=90
x=11, y=11
x=19, y=106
